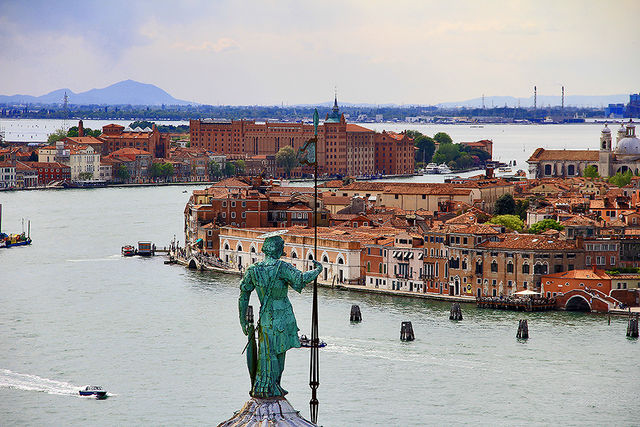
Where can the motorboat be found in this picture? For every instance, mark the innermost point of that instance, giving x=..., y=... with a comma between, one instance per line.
x=306, y=342
x=145, y=249
x=505, y=169
x=128, y=250
x=431, y=168
x=94, y=390
x=443, y=169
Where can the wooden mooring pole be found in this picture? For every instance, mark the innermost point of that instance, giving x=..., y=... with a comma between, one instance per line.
x=355, y=316
x=406, y=332
x=456, y=312
x=523, y=330
x=632, y=328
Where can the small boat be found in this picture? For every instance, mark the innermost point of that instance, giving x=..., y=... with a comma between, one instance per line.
x=94, y=390
x=306, y=342
x=505, y=169
x=442, y=168
x=128, y=250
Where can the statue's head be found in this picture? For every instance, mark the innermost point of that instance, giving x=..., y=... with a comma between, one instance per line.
x=273, y=247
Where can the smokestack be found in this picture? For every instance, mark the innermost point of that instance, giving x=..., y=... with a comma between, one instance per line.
x=80, y=129
x=535, y=97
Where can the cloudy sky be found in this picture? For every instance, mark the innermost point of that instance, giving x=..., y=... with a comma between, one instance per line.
x=243, y=52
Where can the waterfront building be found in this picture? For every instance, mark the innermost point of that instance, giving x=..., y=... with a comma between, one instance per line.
x=342, y=148
x=196, y=161
x=117, y=137
x=137, y=163
x=83, y=160
x=26, y=176
x=49, y=172
x=607, y=160
x=7, y=175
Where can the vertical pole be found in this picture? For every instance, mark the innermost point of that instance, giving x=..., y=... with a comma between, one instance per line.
x=314, y=368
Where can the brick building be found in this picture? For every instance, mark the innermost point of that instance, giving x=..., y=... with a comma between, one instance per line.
x=51, y=172
x=116, y=137
x=342, y=149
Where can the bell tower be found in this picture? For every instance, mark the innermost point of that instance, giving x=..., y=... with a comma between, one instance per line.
x=604, y=163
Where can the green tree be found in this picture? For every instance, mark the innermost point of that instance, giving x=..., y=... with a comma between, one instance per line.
x=167, y=170
x=229, y=169
x=544, y=225
x=621, y=179
x=85, y=176
x=591, y=172
x=442, y=138
x=141, y=124
x=240, y=167
x=522, y=206
x=446, y=153
x=505, y=205
x=214, y=170
x=286, y=159
x=73, y=132
x=425, y=147
x=155, y=170
x=512, y=222
x=56, y=136
x=122, y=172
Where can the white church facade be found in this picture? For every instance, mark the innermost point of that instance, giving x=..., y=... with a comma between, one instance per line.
x=608, y=161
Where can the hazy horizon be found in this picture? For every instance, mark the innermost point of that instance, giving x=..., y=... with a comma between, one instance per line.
x=373, y=52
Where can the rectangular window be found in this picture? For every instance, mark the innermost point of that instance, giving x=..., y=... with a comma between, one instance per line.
x=587, y=260
x=233, y=214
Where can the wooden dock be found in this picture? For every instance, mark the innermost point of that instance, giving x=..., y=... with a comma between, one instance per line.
x=516, y=304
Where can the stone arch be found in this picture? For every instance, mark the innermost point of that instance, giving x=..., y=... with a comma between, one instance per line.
x=253, y=249
x=310, y=256
x=239, y=248
x=294, y=254
x=226, y=245
x=577, y=303
x=622, y=169
x=571, y=170
x=340, y=260
x=193, y=264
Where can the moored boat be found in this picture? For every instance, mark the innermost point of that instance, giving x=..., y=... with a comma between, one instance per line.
x=145, y=249
x=9, y=240
x=443, y=169
x=128, y=250
x=431, y=168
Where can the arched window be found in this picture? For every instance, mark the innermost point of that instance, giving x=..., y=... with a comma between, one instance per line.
x=547, y=169
x=340, y=260
x=226, y=246
x=325, y=259
x=540, y=269
x=294, y=254
x=479, y=266
x=310, y=257
x=253, y=249
x=464, y=264
x=525, y=268
x=494, y=266
x=239, y=249
x=509, y=267
x=571, y=170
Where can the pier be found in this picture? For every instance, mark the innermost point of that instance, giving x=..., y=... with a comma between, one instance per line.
x=517, y=304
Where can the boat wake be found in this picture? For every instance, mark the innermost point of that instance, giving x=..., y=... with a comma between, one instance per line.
x=17, y=381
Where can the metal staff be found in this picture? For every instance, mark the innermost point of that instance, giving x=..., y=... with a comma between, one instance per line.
x=308, y=155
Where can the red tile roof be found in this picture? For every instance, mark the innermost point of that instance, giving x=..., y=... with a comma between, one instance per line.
x=550, y=155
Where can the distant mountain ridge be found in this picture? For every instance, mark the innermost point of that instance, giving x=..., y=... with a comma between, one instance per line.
x=122, y=93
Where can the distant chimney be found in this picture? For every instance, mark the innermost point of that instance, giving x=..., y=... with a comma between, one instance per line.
x=80, y=129
x=489, y=172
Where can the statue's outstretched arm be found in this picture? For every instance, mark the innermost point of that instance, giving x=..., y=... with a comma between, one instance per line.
x=246, y=287
x=297, y=279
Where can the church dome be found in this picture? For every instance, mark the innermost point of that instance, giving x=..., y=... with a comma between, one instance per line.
x=606, y=129
x=630, y=144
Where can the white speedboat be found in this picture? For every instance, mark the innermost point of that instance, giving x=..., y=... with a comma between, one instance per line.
x=94, y=390
x=443, y=169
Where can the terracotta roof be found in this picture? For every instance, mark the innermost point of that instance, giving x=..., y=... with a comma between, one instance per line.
x=357, y=128
x=549, y=155
x=579, y=220
x=336, y=200
x=231, y=182
x=529, y=242
x=580, y=275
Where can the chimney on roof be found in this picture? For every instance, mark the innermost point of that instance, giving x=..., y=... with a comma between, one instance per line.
x=489, y=172
x=80, y=129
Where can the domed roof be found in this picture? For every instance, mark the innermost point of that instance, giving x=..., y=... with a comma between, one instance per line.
x=628, y=145
x=606, y=129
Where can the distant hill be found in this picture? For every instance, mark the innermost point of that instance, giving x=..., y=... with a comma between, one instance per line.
x=542, y=101
x=121, y=93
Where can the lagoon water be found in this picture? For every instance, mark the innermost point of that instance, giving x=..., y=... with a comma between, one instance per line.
x=165, y=341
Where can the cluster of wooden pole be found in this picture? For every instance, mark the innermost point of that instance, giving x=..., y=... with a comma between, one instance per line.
x=632, y=328
x=355, y=316
x=406, y=332
x=456, y=312
x=523, y=330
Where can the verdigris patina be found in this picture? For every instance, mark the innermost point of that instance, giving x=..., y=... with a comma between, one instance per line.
x=277, y=328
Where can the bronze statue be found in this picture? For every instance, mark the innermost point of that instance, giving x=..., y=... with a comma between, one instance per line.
x=277, y=328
